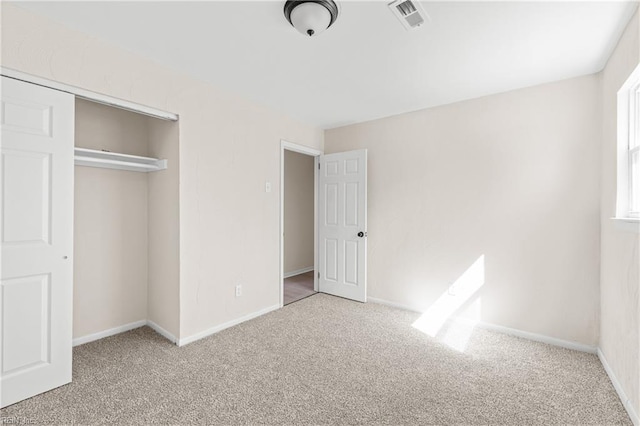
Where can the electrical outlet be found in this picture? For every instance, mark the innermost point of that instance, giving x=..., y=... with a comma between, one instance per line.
x=238, y=290
x=267, y=187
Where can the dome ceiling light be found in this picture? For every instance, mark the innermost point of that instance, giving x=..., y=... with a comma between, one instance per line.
x=311, y=17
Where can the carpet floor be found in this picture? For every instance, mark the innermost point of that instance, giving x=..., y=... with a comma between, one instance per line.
x=326, y=360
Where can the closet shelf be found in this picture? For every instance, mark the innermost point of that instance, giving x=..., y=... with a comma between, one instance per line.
x=113, y=160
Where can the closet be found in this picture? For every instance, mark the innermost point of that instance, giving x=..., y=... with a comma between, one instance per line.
x=113, y=217
x=89, y=249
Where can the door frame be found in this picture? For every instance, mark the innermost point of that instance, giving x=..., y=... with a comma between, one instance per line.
x=315, y=153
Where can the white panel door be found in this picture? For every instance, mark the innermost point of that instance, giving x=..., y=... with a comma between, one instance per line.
x=342, y=224
x=36, y=236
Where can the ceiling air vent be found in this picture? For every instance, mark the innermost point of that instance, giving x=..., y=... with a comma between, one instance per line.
x=409, y=12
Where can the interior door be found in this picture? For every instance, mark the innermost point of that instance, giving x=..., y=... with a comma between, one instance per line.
x=36, y=227
x=342, y=224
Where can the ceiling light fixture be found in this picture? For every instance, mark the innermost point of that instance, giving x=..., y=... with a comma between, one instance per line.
x=311, y=17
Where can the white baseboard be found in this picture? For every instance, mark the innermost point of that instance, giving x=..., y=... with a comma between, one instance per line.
x=161, y=331
x=567, y=344
x=621, y=394
x=297, y=272
x=504, y=330
x=164, y=333
x=395, y=305
x=107, y=333
x=121, y=329
x=218, y=328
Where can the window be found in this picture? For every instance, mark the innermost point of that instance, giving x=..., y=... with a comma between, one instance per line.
x=628, y=197
x=633, y=151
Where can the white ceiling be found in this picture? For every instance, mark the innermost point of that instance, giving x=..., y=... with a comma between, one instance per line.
x=366, y=66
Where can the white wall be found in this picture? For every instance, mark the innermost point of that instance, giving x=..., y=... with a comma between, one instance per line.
x=163, y=292
x=298, y=211
x=620, y=268
x=110, y=224
x=229, y=148
x=512, y=177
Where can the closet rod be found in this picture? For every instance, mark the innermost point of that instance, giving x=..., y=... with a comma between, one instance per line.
x=89, y=95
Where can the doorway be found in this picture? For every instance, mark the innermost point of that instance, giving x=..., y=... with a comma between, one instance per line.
x=298, y=222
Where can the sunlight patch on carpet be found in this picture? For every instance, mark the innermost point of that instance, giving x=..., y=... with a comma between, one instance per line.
x=461, y=292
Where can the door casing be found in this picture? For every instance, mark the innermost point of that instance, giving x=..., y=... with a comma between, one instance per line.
x=315, y=153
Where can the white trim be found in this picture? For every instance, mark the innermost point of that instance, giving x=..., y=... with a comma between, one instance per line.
x=316, y=240
x=89, y=95
x=396, y=305
x=301, y=149
x=122, y=329
x=626, y=402
x=627, y=99
x=567, y=344
x=505, y=330
x=218, y=328
x=107, y=333
x=627, y=224
x=290, y=146
x=161, y=331
x=298, y=272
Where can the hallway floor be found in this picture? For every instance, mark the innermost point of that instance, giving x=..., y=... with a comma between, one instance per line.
x=298, y=287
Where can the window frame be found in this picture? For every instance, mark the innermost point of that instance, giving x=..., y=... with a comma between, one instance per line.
x=628, y=144
x=633, y=146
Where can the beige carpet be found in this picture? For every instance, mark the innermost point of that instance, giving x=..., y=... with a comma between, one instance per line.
x=325, y=360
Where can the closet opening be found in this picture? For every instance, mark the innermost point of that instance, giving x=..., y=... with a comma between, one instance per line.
x=126, y=222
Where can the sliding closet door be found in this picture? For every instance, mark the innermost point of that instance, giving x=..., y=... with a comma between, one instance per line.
x=36, y=183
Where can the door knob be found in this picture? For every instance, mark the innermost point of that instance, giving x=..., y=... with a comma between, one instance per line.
x=360, y=234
